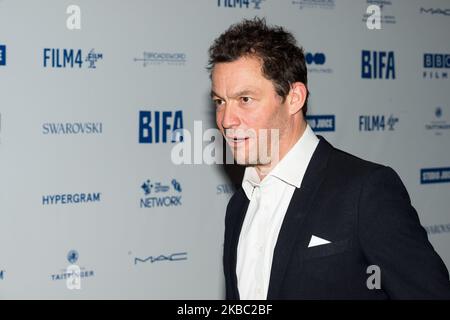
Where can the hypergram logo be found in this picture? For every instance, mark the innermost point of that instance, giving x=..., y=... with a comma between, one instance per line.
x=162, y=257
x=75, y=198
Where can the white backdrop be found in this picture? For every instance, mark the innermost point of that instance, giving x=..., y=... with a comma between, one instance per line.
x=78, y=187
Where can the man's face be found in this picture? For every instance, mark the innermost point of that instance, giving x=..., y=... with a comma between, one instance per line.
x=247, y=102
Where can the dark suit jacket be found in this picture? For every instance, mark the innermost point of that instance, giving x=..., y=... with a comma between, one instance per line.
x=364, y=210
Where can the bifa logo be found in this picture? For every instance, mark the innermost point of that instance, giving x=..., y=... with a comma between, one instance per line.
x=158, y=194
x=70, y=58
x=377, y=123
x=377, y=64
x=322, y=123
x=160, y=127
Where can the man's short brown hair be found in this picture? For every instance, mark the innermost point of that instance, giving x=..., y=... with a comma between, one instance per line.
x=283, y=62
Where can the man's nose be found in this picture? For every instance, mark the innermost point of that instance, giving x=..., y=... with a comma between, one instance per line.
x=230, y=118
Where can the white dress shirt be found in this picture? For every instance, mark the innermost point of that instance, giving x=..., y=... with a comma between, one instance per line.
x=269, y=200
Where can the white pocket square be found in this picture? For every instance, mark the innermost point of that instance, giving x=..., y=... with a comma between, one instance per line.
x=316, y=241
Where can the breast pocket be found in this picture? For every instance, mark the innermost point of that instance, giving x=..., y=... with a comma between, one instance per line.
x=326, y=250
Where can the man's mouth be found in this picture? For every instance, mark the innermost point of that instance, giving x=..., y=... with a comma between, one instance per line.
x=237, y=140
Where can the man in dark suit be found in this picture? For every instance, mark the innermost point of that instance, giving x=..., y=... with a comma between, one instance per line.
x=310, y=221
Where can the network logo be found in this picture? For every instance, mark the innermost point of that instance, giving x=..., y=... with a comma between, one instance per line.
x=436, y=65
x=377, y=64
x=246, y=4
x=160, y=126
x=439, y=124
x=377, y=123
x=75, y=198
x=322, y=123
x=2, y=55
x=2, y=274
x=160, y=58
x=181, y=256
x=434, y=175
x=72, y=128
x=309, y=4
x=70, y=58
x=435, y=11
x=158, y=194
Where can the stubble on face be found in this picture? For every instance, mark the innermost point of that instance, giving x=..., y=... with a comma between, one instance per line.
x=250, y=114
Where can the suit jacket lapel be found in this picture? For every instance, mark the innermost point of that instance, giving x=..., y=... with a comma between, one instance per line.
x=240, y=211
x=298, y=208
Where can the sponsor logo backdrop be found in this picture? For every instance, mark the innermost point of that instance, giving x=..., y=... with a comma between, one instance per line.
x=88, y=119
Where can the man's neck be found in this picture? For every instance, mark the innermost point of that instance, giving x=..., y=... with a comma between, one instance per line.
x=285, y=146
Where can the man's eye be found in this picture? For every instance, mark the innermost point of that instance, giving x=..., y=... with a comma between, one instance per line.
x=218, y=102
x=246, y=99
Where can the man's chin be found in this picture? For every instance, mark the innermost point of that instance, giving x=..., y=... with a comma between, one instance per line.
x=246, y=161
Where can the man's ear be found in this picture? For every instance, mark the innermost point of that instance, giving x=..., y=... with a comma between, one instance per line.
x=296, y=97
